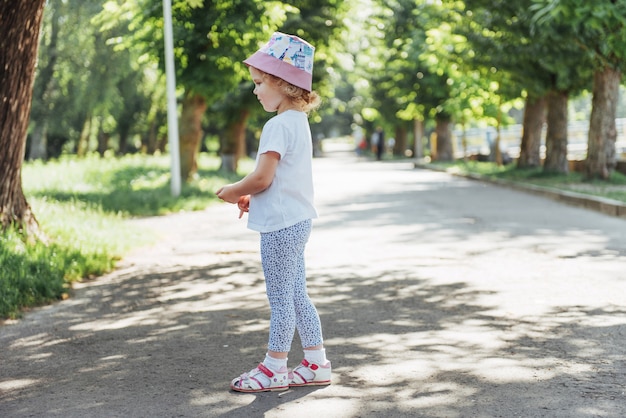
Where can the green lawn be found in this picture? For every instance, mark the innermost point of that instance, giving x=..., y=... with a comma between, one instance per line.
x=81, y=206
x=614, y=188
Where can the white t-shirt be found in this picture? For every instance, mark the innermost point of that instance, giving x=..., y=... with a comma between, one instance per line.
x=289, y=199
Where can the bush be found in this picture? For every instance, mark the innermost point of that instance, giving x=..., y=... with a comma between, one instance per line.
x=31, y=274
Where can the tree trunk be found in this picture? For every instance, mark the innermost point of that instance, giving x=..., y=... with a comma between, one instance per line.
x=464, y=140
x=497, y=151
x=190, y=130
x=556, y=136
x=233, y=142
x=229, y=163
x=103, y=140
x=149, y=139
x=20, y=24
x=238, y=132
x=82, y=146
x=38, y=144
x=444, y=138
x=418, y=138
x=534, y=118
x=399, y=147
x=124, y=133
x=601, y=159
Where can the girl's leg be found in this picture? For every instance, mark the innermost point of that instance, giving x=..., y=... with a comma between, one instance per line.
x=307, y=318
x=279, y=256
x=282, y=254
x=315, y=369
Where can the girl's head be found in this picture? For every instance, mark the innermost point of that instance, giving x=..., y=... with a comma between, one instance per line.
x=286, y=62
x=276, y=94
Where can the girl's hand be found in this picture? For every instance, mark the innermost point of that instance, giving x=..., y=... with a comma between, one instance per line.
x=227, y=195
x=257, y=181
x=243, y=204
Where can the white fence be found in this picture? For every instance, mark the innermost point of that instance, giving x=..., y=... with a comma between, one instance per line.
x=479, y=140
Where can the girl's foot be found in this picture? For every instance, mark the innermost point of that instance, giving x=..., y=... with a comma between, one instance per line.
x=261, y=379
x=310, y=374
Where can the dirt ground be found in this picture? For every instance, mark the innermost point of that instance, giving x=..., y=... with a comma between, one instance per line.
x=439, y=296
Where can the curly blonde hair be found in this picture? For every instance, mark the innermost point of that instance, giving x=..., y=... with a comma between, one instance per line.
x=304, y=100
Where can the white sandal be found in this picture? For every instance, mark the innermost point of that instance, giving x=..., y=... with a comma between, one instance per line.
x=249, y=382
x=321, y=374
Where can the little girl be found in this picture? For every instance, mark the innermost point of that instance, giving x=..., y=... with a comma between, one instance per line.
x=278, y=196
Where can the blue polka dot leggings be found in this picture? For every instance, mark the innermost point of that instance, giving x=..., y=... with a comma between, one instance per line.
x=282, y=256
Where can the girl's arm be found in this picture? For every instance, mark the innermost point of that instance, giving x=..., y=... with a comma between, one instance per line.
x=255, y=182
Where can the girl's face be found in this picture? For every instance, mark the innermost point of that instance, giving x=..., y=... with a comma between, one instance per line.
x=268, y=94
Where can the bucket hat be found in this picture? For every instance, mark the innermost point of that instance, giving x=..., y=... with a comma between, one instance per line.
x=287, y=57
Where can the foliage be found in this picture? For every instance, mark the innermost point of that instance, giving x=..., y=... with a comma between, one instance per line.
x=320, y=22
x=521, y=60
x=474, y=92
x=377, y=62
x=385, y=62
x=85, y=83
x=211, y=38
x=498, y=35
x=403, y=87
x=357, y=49
x=597, y=28
x=425, y=69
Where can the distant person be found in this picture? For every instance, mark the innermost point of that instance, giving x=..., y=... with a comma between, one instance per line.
x=378, y=141
x=360, y=143
x=278, y=196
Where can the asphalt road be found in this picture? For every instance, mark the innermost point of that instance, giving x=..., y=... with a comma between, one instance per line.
x=439, y=296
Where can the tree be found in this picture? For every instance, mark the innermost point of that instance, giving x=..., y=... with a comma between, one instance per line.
x=599, y=30
x=541, y=64
x=427, y=72
x=408, y=83
x=401, y=79
x=532, y=123
x=499, y=35
x=316, y=21
x=320, y=23
x=84, y=86
x=472, y=90
x=211, y=39
x=20, y=23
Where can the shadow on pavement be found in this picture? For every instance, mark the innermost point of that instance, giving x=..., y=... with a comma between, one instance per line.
x=430, y=308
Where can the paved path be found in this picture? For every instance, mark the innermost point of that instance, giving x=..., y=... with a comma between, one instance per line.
x=440, y=297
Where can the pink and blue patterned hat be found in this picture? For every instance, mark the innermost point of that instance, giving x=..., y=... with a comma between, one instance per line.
x=287, y=57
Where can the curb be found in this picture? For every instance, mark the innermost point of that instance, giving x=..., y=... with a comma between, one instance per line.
x=599, y=204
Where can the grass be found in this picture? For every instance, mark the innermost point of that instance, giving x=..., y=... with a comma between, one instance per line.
x=614, y=188
x=83, y=205
x=131, y=186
